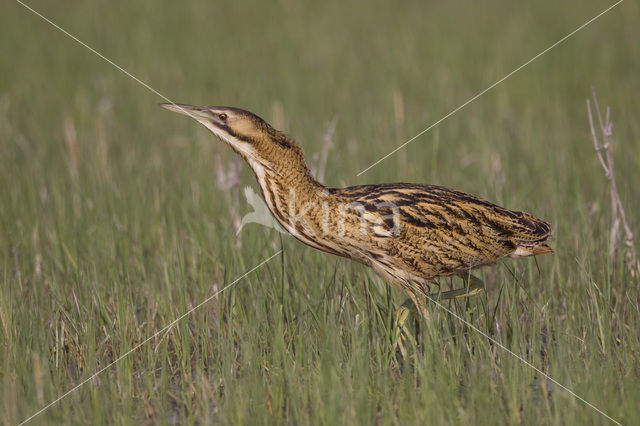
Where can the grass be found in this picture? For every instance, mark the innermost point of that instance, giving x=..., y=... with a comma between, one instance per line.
x=112, y=222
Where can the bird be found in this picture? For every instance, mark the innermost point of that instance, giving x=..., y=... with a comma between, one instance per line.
x=410, y=234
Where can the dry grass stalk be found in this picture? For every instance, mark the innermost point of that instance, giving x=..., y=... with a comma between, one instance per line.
x=71, y=141
x=277, y=115
x=102, y=140
x=399, y=121
x=604, y=152
x=318, y=162
x=228, y=180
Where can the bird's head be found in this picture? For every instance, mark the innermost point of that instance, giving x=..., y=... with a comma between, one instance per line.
x=263, y=147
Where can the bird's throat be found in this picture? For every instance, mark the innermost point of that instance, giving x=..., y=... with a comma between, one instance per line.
x=294, y=198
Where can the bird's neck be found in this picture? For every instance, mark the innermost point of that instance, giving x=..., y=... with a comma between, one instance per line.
x=285, y=182
x=290, y=191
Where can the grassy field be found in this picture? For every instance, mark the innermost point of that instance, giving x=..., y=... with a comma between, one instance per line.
x=115, y=218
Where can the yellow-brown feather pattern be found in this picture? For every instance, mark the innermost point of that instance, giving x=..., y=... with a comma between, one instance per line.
x=441, y=231
x=408, y=233
x=444, y=232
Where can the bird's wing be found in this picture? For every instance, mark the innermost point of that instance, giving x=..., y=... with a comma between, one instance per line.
x=520, y=226
x=445, y=231
x=430, y=206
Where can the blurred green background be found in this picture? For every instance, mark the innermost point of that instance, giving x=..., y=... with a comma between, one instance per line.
x=116, y=216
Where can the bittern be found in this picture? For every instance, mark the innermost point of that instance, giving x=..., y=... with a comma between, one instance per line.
x=410, y=234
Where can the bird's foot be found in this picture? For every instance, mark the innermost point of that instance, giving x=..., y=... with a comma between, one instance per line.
x=402, y=334
x=473, y=286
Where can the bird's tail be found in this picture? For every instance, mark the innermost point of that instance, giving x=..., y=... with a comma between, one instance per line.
x=531, y=250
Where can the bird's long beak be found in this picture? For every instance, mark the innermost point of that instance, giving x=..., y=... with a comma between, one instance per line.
x=196, y=112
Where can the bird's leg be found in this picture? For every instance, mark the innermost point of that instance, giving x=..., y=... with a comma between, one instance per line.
x=408, y=310
x=473, y=286
x=413, y=308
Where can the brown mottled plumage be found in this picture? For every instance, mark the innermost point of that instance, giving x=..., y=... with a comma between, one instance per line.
x=408, y=233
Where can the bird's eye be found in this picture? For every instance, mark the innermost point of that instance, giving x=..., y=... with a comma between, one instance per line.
x=222, y=116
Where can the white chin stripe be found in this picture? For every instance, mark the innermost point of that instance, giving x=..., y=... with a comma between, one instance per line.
x=239, y=145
